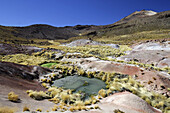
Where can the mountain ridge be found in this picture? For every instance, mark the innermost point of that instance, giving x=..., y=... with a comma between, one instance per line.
x=136, y=22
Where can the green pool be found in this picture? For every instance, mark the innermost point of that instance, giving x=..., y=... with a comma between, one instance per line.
x=78, y=83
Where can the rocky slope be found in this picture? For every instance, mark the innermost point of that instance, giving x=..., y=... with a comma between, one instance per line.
x=22, y=71
x=137, y=22
x=155, y=53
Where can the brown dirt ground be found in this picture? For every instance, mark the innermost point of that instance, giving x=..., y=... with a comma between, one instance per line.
x=19, y=87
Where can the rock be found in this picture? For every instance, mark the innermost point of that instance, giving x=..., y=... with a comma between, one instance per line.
x=58, y=55
x=8, y=49
x=22, y=71
x=164, y=63
x=112, y=45
x=160, y=57
x=126, y=102
x=152, y=46
x=83, y=42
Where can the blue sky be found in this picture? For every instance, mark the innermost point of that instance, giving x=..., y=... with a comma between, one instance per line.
x=73, y=12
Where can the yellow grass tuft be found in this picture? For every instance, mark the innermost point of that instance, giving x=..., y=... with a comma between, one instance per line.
x=37, y=95
x=6, y=109
x=13, y=97
x=102, y=93
x=40, y=110
x=26, y=108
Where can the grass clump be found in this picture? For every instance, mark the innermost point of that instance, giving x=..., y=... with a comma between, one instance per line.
x=34, y=59
x=55, y=108
x=96, y=107
x=13, y=97
x=118, y=111
x=44, y=85
x=102, y=93
x=85, y=83
x=40, y=110
x=128, y=84
x=37, y=95
x=24, y=59
x=26, y=108
x=6, y=109
x=95, y=50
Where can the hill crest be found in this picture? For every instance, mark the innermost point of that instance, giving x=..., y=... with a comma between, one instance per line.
x=136, y=22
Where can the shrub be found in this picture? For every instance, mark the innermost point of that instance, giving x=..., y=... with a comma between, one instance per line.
x=85, y=83
x=44, y=85
x=115, y=86
x=37, y=95
x=53, y=91
x=26, y=108
x=13, y=97
x=104, y=78
x=96, y=107
x=154, y=78
x=24, y=59
x=148, y=100
x=99, y=97
x=55, y=108
x=149, y=82
x=168, y=89
x=79, y=103
x=65, y=97
x=102, y=93
x=167, y=109
x=88, y=102
x=72, y=109
x=81, y=72
x=118, y=111
x=39, y=110
x=109, y=92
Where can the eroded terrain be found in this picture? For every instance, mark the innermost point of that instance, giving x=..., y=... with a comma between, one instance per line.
x=137, y=77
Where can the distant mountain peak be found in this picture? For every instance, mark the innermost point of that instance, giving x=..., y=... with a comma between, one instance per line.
x=145, y=12
x=138, y=14
x=142, y=13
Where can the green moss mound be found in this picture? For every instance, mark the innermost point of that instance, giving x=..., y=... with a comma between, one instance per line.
x=48, y=65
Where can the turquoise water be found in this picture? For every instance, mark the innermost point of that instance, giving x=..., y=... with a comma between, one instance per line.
x=79, y=83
